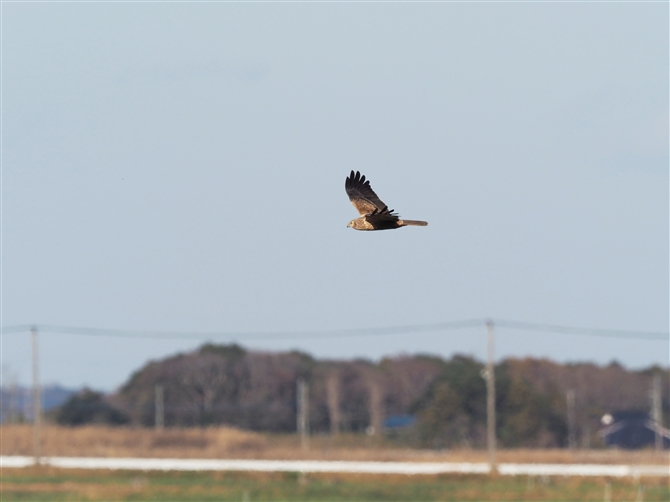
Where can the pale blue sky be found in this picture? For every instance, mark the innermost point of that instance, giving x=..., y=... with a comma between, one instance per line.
x=173, y=166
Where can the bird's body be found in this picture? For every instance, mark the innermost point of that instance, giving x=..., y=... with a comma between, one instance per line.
x=375, y=215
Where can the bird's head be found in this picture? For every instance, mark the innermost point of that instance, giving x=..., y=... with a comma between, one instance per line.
x=350, y=224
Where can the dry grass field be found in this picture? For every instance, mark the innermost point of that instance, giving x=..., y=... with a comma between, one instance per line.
x=225, y=442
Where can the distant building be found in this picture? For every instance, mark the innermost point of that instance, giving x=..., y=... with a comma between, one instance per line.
x=632, y=430
x=399, y=421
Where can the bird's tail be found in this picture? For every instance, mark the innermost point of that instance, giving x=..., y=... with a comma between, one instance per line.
x=412, y=223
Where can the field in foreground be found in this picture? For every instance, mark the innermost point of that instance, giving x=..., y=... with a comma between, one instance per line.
x=225, y=442
x=42, y=484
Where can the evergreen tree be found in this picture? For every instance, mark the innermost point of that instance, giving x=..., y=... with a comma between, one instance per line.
x=89, y=407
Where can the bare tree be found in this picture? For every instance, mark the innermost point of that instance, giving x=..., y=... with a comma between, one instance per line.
x=200, y=380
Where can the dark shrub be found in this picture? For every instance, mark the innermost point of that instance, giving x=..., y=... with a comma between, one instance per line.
x=89, y=407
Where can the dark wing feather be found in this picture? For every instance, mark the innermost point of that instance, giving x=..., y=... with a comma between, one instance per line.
x=382, y=220
x=362, y=196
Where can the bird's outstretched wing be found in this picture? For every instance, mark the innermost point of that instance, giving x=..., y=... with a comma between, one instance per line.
x=362, y=196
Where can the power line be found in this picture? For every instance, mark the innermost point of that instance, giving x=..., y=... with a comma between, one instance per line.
x=609, y=333
x=274, y=335
x=345, y=333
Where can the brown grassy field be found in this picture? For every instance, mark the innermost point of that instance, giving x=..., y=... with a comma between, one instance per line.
x=225, y=442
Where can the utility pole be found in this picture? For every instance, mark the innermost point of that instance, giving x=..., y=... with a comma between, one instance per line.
x=570, y=400
x=160, y=407
x=302, y=392
x=37, y=399
x=333, y=394
x=490, y=398
x=375, y=406
x=26, y=403
x=586, y=437
x=656, y=415
x=5, y=413
x=14, y=411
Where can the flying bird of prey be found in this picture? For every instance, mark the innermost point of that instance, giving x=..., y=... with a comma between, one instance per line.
x=375, y=215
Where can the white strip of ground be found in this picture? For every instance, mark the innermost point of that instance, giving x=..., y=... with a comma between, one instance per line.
x=174, y=464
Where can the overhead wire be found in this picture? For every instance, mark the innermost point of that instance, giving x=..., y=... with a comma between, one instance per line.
x=599, y=332
x=341, y=333
x=274, y=335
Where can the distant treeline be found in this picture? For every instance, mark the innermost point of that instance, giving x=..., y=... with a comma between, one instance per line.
x=226, y=384
x=16, y=401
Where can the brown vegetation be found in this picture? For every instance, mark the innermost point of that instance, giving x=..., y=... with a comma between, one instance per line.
x=105, y=441
x=226, y=442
